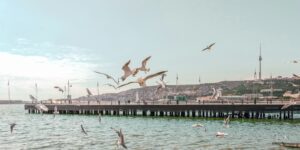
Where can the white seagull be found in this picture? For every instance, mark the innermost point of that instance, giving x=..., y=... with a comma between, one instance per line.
x=127, y=71
x=144, y=63
x=142, y=81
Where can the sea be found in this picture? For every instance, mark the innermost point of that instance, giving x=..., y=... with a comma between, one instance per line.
x=49, y=132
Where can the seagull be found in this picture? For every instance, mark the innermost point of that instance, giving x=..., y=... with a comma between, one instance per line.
x=127, y=71
x=33, y=98
x=288, y=105
x=161, y=85
x=198, y=125
x=221, y=134
x=121, y=140
x=226, y=121
x=144, y=63
x=111, y=86
x=163, y=77
x=82, y=129
x=294, y=85
x=59, y=89
x=88, y=92
x=108, y=77
x=12, y=127
x=296, y=76
x=55, y=112
x=294, y=61
x=99, y=117
x=209, y=47
x=142, y=81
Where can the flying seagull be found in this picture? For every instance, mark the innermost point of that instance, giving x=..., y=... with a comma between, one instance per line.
x=59, y=89
x=294, y=85
x=288, y=105
x=108, y=77
x=121, y=140
x=82, y=129
x=209, y=47
x=226, y=121
x=296, y=76
x=142, y=81
x=12, y=127
x=88, y=92
x=144, y=63
x=161, y=84
x=127, y=71
x=32, y=98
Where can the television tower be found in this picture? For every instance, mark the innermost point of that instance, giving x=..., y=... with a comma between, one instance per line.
x=260, y=59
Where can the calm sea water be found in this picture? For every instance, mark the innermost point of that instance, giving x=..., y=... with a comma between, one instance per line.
x=36, y=131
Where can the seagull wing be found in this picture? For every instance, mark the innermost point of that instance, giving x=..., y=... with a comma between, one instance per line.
x=296, y=76
x=211, y=45
x=88, y=91
x=144, y=62
x=111, y=85
x=154, y=75
x=127, y=84
x=163, y=77
x=126, y=69
x=205, y=49
x=107, y=76
x=32, y=97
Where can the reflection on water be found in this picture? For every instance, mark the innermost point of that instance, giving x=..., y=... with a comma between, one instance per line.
x=36, y=131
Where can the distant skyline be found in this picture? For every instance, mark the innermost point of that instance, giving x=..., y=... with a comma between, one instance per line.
x=52, y=41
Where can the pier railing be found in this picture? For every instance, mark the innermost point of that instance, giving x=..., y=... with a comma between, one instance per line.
x=173, y=102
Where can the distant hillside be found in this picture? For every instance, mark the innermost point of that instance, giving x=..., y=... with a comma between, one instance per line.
x=193, y=91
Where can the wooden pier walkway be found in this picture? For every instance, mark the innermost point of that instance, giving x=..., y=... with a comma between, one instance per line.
x=217, y=110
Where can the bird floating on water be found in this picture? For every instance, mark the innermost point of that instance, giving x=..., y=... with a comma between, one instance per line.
x=142, y=81
x=221, y=134
x=198, y=125
x=209, y=47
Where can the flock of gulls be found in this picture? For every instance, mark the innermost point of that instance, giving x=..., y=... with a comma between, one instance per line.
x=133, y=72
x=116, y=85
x=218, y=134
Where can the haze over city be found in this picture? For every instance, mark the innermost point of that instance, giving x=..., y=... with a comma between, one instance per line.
x=51, y=42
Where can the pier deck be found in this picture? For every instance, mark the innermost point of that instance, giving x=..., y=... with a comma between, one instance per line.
x=178, y=110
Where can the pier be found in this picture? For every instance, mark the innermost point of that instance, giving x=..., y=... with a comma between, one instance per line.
x=205, y=110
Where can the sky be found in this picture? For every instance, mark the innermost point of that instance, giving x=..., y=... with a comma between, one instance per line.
x=52, y=41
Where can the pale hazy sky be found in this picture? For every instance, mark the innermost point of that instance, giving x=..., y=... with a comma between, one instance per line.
x=51, y=41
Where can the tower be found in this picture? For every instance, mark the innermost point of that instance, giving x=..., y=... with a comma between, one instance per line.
x=260, y=59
